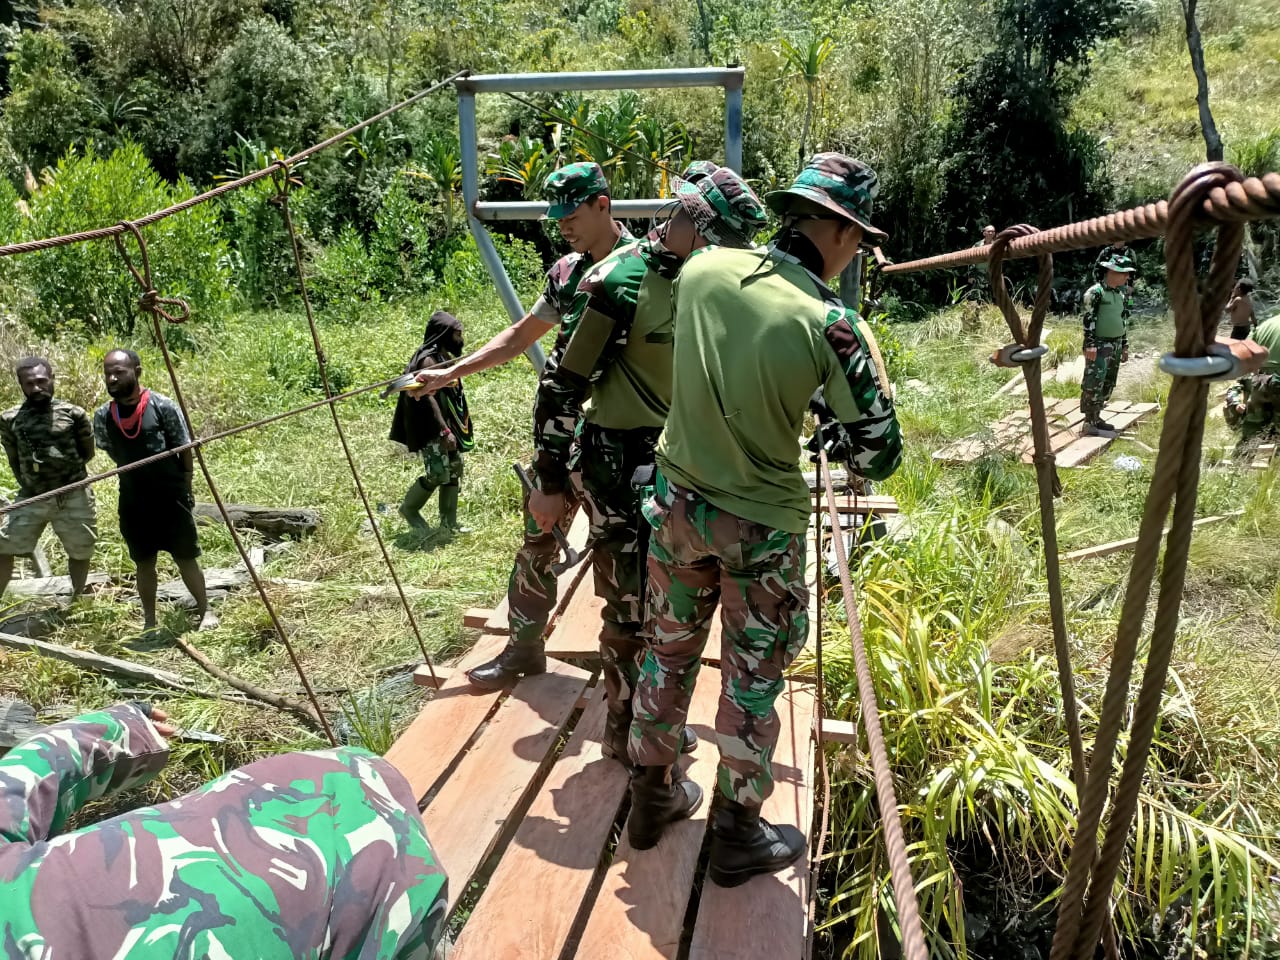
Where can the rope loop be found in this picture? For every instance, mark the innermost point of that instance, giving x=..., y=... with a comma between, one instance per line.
x=1028, y=335
x=150, y=301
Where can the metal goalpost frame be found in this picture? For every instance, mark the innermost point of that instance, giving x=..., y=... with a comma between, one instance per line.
x=479, y=212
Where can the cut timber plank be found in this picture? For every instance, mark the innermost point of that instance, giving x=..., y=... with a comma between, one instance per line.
x=1085, y=448
x=1115, y=546
x=876, y=503
x=1263, y=456
x=476, y=618
x=468, y=815
x=768, y=916
x=639, y=913
x=438, y=734
x=839, y=731
x=499, y=622
x=554, y=854
x=98, y=663
x=576, y=634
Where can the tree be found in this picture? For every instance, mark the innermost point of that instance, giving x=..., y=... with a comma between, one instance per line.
x=1212, y=141
x=807, y=61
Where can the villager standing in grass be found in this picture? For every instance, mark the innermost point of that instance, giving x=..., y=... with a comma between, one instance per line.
x=320, y=854
x=1106, y=341
x=48, y=442
x=155, y=500
x=580, y=204
x=439, y=426
x=758, y=332
x=609, y=393
x=1240, y=311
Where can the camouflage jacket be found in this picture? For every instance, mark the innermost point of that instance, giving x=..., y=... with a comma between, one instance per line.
x=47, y=445
x=627, y=379
x=1106, y=314
x=299, y=855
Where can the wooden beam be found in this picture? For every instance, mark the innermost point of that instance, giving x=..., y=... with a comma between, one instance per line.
x=875, y=503
x=278, y=522
x=476, y=618
x=1115, y=546
x=839, y=731
x=98, y=663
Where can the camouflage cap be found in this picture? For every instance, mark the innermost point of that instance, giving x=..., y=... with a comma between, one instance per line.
x=571, y=185
x=723, y=207
x=841, y=184
x=1120, y=264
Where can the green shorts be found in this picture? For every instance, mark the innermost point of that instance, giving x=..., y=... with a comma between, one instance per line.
x=72, y=515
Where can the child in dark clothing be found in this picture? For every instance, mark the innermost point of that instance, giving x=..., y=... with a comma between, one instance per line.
x=438, y=425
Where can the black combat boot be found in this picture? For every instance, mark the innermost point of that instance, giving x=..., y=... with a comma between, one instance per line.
x=508, y=667
x=449, y=509
x=743, y=845
x=659, y=796
x=617, y=729
x=415, y=498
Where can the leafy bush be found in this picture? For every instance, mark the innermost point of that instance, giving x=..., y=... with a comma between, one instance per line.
x=46, y=110
x=87, y=283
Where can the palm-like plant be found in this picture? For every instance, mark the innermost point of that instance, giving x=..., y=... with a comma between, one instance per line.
x=980, y=761
x=525, y=162
x=442, y=168
x=807, y=62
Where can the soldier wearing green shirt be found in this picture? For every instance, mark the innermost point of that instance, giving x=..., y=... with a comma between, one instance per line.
x=1253, y=404
x=610, y=392
x=580, y=205
x=1106, y=341
x=48, y=443
x=758, y=332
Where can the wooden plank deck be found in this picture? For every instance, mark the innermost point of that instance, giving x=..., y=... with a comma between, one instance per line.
x=540, y=834
x=1012, y=433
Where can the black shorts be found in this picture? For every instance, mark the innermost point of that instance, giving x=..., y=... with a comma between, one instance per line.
x=161, y=522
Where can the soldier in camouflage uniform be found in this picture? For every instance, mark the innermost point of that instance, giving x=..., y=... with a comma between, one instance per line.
x=1106, y=341
x=610, y=390
x=48, y=442
x=759, y=333
x=1253, y=403
x=580, y=204
x=319, y=854
x=1118, y=249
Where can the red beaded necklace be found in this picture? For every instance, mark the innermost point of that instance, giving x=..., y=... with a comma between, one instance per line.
x=134, y=420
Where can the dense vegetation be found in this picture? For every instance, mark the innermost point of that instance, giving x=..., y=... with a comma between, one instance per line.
x=1001, y=111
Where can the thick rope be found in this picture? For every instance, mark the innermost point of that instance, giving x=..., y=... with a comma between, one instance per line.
x=904, y=893
x=151, y=307
x=1242, y=200
x=117, y=229
x=283, y=185
x=1083, y=901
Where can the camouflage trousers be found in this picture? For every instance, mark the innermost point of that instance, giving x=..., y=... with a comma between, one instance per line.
x=608, y=459
x=531, y=589
x=699, y=557
x=1260, y=395
x=440, y=466
x=1100, y=378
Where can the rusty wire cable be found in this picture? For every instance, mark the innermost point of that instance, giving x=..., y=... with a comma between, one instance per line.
x=1239, y=201
x=153, y=306
x=819, y=708
x=283, y=184
x=904, y=893
x=117, y=229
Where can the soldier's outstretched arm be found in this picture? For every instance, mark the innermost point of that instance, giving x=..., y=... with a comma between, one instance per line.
x=502, y=348
x=51, y=775
x=859, y=401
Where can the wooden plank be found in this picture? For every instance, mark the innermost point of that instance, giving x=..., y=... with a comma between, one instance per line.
x=576, y=634
x=768, y=916
x=556, y=850
x=1085, y=448
x=98, y=663
x=875, y=503
x=1116, y=546
x=839, y=731
x=476, y=618
x=499, y=622
x=467, y=817
x=444, y=726
x=639, y=913
x=1263, y=456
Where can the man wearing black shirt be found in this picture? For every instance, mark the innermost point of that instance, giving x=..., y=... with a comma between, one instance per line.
x=155, y=500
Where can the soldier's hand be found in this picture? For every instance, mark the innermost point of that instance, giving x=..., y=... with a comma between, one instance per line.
x=158, y=719
x=430, y=381
x=547, y=509
x=1091, y=353
x=1248, y=355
